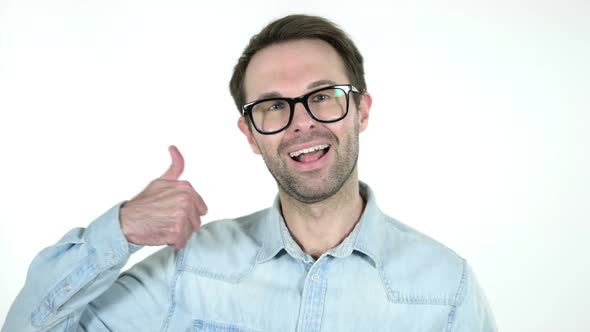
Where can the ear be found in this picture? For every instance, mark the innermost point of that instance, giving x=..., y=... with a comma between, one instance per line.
x=245, y=129
x=364, y=108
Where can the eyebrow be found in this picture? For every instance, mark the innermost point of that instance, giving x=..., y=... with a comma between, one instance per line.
x=319, y=83
x=316, y=84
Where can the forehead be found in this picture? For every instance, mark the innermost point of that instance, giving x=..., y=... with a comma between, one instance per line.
x=289, y=67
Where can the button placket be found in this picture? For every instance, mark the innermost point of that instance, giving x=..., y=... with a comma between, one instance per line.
x=313, y=296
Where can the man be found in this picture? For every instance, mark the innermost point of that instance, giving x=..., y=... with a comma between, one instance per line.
x=323, y=258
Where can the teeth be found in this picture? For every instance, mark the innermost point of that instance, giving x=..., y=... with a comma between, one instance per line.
x=308, y=150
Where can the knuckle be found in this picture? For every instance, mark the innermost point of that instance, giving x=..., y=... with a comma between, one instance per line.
x=197, y=222
x=156, y=183
x=182, y=243
x=180, y=214
x=181, y=231
x=170, y=239
x=184, y=184
x=180, y=240
x=184, y=197
x=177, y=231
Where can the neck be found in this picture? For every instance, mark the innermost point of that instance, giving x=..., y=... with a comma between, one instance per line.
x=321, y=226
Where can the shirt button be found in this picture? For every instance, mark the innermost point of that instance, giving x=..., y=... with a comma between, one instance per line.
x=315, y=278
x=67, y=288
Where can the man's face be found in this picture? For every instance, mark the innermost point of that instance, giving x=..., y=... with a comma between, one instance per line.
x=291, y=69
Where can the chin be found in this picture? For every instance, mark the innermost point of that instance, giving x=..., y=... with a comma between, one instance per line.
x=313, y=190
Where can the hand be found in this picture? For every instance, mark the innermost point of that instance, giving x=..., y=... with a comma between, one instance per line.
x=167, y=211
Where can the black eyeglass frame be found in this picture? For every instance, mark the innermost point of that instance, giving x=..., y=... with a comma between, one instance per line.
x=347, y=88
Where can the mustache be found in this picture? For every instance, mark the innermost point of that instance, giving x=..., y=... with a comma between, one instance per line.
x=286, y=144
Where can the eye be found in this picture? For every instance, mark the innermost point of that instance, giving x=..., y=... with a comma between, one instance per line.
x=320, y=97
x=276, y=106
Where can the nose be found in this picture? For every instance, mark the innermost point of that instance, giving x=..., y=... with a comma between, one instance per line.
x=302, y=120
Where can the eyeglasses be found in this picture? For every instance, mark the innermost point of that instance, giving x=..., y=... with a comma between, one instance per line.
x=326, y=105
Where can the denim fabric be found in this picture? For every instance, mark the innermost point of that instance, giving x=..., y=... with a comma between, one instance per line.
x=248, y=274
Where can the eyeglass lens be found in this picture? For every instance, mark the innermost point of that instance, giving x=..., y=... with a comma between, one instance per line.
x=326, y=105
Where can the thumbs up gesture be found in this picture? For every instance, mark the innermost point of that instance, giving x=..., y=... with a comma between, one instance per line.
x=167, y=211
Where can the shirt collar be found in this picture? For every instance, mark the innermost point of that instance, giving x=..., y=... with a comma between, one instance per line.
x=366, y=238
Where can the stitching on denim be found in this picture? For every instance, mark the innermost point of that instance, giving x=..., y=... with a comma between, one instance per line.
x=48, y=306
x=459, y=296
x=396, y=296
x=362, y=248
x=260, y=255
x=232, y=279
x=392, y=296
x=420, y=299
x=324, y=290
x=179, y=262
x=315, y=300
x=462, y=284
x=201, y=324
x=68, y=320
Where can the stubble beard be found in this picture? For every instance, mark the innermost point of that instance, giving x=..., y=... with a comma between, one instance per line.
x=317, y=186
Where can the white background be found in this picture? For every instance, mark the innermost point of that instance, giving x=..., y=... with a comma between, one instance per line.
x=478, y=134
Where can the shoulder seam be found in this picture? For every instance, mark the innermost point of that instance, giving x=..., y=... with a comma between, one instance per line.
x=459, y=296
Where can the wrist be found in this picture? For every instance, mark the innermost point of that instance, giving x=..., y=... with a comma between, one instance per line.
x=124, y=223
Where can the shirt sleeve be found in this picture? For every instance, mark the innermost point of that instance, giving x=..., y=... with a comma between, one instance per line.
x=474, y=313
x=76, y=284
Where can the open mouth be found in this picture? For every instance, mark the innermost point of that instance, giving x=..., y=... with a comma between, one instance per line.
x=310, y=154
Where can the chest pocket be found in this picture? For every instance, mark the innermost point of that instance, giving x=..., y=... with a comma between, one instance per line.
x=212, y=326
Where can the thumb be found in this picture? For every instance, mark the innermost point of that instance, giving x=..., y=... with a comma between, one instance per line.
x=174, y=171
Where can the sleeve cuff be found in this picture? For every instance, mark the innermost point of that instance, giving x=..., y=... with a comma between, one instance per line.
x=107, y=238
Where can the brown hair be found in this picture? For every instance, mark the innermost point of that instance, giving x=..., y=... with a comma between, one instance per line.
x=294, y=27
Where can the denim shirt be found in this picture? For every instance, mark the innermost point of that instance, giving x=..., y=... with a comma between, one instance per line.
x=248, y=274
